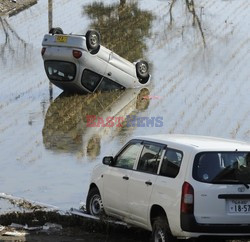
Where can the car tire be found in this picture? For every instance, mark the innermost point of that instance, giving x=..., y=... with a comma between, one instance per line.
x=93, y=40
x=94, y=204
x=161, y=231
x=56, y=31
x=142, y=70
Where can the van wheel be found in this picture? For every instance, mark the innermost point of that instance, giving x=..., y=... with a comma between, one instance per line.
x=161, y=231
x=142, y=69
x=94, y=204
x=92, y=40
x=56, y=31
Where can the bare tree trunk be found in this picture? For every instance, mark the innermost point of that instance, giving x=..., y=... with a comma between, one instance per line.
x=50, y=25
x=50, y=14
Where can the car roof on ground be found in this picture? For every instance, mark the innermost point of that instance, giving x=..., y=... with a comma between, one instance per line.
x=198, y=142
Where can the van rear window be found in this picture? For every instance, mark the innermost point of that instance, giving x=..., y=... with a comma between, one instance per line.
x=60, y=70
x=222, y=167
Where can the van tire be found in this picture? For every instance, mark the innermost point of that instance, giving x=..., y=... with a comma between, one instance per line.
x=93, y=40
x=94, y=205
x=142, y=69
x=56, y=30
x=161, y=231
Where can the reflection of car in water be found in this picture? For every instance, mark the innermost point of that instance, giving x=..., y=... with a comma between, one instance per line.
x=65, y=125
x=79, y=63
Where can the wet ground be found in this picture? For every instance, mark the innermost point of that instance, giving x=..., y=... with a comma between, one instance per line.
x=200, y=85
x=65, y=228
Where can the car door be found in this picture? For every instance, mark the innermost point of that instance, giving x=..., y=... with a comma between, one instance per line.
x=121, y=71
x=116, y=179
x=142, y=182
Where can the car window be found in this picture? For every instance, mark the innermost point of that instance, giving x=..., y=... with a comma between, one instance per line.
x=90, y=79
x=108, y=85
x=60, y=70
x=128, y=157
x=222, y=167
x=150, y=158
x=171, y=163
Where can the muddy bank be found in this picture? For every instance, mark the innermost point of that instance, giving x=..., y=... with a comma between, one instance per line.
x=11, y=8
x=73, y=228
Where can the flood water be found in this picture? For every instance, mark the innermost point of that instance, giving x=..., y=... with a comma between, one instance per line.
x=47, y=150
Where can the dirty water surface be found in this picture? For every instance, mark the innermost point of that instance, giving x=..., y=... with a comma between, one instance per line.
x=197, y=60
x=47, y=147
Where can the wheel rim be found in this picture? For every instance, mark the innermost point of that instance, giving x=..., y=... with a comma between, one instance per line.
x=143, y=68
x=93, y=40
x=159, y=236
x=96, y=206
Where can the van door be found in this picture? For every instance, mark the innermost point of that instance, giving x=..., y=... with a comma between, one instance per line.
x=222, y=193
x=117, y=179
x=121, y=71
x=142, y=182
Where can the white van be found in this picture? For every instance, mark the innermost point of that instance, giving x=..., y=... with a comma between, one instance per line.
x=80, y=64
x=178, y=186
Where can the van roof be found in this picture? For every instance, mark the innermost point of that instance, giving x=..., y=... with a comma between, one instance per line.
x=206, y=143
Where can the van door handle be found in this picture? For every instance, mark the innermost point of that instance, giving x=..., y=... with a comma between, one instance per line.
x=125, y=177
x=149, y=183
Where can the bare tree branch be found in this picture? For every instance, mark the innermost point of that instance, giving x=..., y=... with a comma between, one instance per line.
x=191, y=9
x=170, y=11
x=14, y=32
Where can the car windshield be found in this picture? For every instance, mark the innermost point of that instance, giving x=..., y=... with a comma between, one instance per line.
x=222, y=167
x=60, y=70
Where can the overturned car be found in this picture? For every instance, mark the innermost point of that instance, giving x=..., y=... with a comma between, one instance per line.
x=78, y=63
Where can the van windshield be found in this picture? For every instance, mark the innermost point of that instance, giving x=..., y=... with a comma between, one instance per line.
x=60, y=70
x=222, y=167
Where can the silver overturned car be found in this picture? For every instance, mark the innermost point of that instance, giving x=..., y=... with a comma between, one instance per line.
x=78, y=63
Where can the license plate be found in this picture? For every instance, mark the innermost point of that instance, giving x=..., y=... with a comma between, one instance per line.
x=61, y=39
x=239, y=206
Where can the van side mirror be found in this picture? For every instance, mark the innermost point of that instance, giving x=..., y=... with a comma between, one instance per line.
x=108, y=160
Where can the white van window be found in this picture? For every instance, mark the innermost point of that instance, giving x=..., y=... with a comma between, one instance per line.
x=60, y=70
x=171, y=163
x=108, y=85
x=90, y=79
x=150, y=158
x=128, y=156
x=222, y=167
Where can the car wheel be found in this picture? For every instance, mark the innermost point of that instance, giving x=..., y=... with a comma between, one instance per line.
x=92, y=40
x=142, y=69
x=94, y=204
x=56, y=31
x=161, y=232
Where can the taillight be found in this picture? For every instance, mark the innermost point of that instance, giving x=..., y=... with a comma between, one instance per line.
x=77, y=54
x=43, y=51
x=187, y=198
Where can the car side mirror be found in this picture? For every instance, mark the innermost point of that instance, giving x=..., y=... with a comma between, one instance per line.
x=108, y=160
